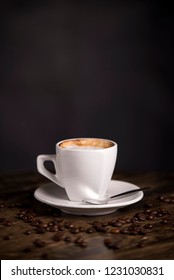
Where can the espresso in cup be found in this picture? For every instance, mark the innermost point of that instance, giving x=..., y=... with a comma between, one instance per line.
x=89, y=144
x=83, y=167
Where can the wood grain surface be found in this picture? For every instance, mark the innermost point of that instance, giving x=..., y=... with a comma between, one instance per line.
x=30, y=229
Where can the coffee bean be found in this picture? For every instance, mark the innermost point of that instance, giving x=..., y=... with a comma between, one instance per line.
x=141, y=216
x=79, y=239
x=149, y=205
x=34, y=223
x=69, y=225
x=124, y=231
x=28, y=232
x=7, y=223
x=147, y=211
x=141, y=245
x=105, y=224
x=117, y=224
x=142, y=231
x=116, y=245
x=61, y=228
x=7, y=237
x=39, y=243
x=134, y=220
x=40, y=229
x=108, y=242
x=115, y=230
x=101, y=229
x=82, y=229
x=164, y=222
x=150, y=217
x=167, y=200
x=83, y=244
x=90, y=230
x=58, y=237
x=75, y=230
x=113, y=221
x=148, y=226
x=54, y=228
x=67, y=238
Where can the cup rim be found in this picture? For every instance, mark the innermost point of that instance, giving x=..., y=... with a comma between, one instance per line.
x=114, y=144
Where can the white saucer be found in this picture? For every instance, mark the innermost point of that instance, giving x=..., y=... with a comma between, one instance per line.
x=56, y=196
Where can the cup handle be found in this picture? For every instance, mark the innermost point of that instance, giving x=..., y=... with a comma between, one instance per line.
x=41, y=168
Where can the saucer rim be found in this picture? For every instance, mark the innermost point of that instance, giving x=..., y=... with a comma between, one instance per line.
x=80, y=205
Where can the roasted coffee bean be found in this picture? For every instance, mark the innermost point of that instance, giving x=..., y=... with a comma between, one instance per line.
x=141, y=216
x=124, y=231
x=150, y=217
x=44, y=225
x=101, y=229
x=69, y=225
x=79, y=239
x=127, y=220
x=142, y=231
x=149, y=205
x=108, y=242
x=167, y=200
x=58, y=237
x=61, y=228
x=7, y=237
x=159, y=214
x=105, y=224
x=53, y=229
x=75, y=230
x=147, y=211
x=116, y=245
x=148, y=226
x=68, y=238
x=117, y=224
x=83, y=244
x=34, y=223
x=39, y=243
x=164, y=222
x=82, y=229
x=7, y=223
x=164, y=211
x=28, y=232
x=134, y=220
x=90, y=230
x=161, y=197
x=113, y=221
x=115, y=230
x=141, y=245
x=40, y=229
x=121, y=221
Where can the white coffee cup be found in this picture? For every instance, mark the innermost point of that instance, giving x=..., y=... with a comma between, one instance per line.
x=83, y=166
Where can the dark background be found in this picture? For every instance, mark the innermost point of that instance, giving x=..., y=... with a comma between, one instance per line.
x=87, y=69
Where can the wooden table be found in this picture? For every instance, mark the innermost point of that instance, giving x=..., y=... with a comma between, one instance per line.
x=30, y=229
